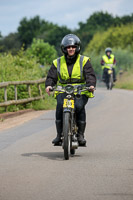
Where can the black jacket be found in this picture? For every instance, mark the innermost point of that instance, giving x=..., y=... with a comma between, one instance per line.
x=88, y=73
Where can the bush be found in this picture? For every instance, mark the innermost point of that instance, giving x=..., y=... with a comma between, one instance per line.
x=124, y=58
x=20, y=68
x=48, y=103
x=113, y=37
x=43, y=52
x=95, y=61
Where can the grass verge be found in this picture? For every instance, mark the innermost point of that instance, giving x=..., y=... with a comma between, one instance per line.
x=125, y=81
x=49, y=103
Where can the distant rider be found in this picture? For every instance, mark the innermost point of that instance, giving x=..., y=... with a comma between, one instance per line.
x=108, y=58
x=71, y=68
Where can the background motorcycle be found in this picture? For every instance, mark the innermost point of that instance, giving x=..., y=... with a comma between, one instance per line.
x=109, y=77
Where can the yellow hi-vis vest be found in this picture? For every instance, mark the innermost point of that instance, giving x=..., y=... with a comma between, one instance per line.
x=108, y=61
x=76, y=78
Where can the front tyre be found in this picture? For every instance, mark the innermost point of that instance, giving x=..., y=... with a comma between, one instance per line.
x=66, y=130
x=111, y=81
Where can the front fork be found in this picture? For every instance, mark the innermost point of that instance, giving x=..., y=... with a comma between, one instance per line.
x=72, y=127
x=73, y=123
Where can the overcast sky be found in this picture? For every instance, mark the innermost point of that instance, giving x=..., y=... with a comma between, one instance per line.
x=61, y=12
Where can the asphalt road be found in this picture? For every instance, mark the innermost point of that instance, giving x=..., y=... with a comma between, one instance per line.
x=32, y=169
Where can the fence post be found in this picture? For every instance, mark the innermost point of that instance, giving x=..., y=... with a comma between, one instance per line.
x=5, y=93
x=16, y=93
x=40, y=91
x=5, y=85
x=5, y=97
x=29, y=90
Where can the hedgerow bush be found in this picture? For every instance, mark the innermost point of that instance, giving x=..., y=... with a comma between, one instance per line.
x=19, y=68
x=42, y=51
x=120, y=36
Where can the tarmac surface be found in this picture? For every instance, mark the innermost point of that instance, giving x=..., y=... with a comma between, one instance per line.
x=31, y=168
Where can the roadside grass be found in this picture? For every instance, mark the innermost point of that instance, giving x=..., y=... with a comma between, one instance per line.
x=125, y=81
x=49, y=103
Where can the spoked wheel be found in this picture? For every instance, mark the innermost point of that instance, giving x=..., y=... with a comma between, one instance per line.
x=67, y=138
x=111, y=82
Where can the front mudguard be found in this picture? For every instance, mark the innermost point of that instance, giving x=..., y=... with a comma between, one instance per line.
x=66, y=110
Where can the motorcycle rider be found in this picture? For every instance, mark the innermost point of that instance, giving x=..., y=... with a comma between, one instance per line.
x=71, y=68
x=108, y=58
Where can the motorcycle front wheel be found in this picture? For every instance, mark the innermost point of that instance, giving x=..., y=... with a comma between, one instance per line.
x=66, y=135
x=111, y=82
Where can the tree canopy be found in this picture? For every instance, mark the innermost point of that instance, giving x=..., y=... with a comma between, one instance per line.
x=99, y=22
x=121, y=36
x=42, y=39
x=38, y=28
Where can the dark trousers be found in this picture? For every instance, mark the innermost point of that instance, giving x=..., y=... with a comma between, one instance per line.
x=79, y=107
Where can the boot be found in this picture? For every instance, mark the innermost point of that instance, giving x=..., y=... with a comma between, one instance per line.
x=104, y=76
x=81, y=128
x=114, y=75
x=57, y=140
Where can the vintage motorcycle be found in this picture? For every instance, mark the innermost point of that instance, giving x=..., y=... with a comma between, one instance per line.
x=69, y=140
x=109, y=77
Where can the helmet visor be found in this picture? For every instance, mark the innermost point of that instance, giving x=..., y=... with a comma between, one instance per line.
x=71, y=46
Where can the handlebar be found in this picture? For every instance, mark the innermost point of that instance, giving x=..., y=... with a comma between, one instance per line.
x=78, y=89
x=110, y=65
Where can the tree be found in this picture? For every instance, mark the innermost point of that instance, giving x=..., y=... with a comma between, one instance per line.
x=29, y=29
x=41, y=29
x=99, y=22
x=54, y=36
x=114, y=37
x=10, y=43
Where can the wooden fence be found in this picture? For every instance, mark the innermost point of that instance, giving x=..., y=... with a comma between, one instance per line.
x=21, y=101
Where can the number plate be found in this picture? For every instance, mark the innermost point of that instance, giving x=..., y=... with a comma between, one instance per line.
x=68, y=103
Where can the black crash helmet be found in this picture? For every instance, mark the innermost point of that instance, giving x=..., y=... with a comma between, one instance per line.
x=70, y=40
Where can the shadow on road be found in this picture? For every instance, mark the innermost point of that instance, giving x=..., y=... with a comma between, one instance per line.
x=49, y=155
x=118, y=194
